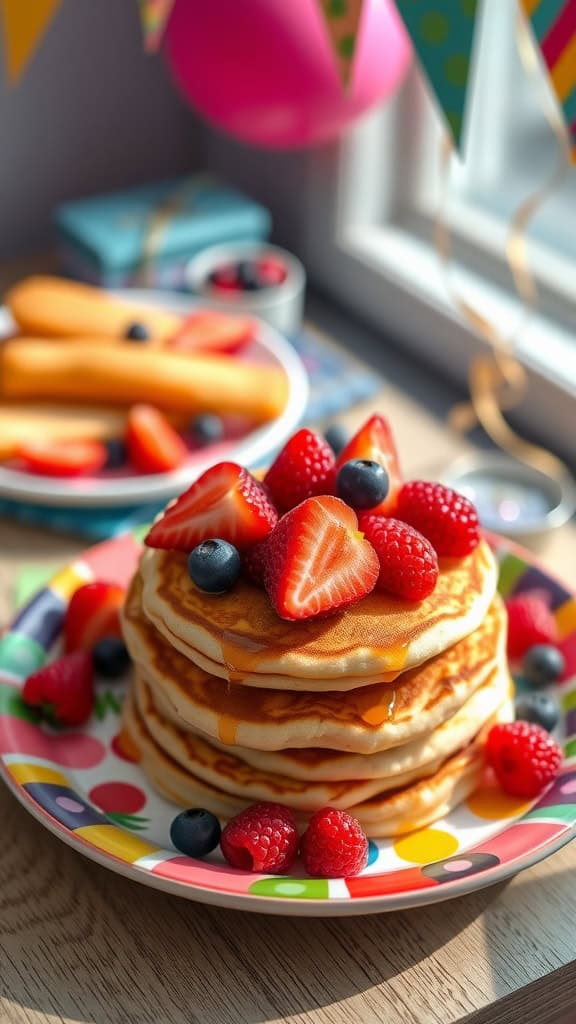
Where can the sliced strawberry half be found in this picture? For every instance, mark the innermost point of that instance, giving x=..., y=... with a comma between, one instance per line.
x=63, y=458
x=375, y=441
x=226, y=501
x=208, y=331
x=317, y=561
x=153, y=444
x=92, y=614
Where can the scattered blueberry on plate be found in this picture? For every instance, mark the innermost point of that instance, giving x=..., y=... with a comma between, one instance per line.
x=110, y=657
x=195, y=832
x=539, y=709
x=543, y=664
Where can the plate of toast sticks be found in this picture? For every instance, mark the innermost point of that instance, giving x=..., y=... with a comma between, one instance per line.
x=127, y=397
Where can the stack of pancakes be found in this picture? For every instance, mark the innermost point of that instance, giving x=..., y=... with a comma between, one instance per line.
x=381, y=710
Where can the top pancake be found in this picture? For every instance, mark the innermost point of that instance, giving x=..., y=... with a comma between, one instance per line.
x=238, y=636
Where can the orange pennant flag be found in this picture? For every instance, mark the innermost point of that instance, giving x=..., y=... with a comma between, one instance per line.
x=343, y=23
x=154, y=15
x=24, y=22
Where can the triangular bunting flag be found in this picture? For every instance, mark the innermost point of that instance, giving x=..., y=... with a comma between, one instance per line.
x=343, y=22
x=154, y=15
x=554, y=26
x=442, y=32
x=24, y=22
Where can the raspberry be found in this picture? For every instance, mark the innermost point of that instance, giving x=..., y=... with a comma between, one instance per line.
x=524, y=757
x=446, y=518
x=304, y=469
x=408, y=562
x=261, y=838
x=334, y=845
x=530, y=622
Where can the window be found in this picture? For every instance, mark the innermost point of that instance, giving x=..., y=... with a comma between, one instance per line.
x=372, y=205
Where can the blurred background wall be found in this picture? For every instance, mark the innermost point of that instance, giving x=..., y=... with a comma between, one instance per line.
x=92, y=113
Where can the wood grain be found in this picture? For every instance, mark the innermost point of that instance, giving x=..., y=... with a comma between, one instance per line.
x=78, y=943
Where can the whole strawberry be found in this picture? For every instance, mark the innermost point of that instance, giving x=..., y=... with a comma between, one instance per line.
x=525, y=758
x=446, y=518
x=408, y=562
x=530, y=622
x=334, y=845
x=63, y=690
x=304, y=468
x=264, y=837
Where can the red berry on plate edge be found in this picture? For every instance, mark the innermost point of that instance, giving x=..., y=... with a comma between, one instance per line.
x=264, y=837
x=524, y=757
x=530, y=622
x=93, y=613
x=334, y=845
x=63, y=690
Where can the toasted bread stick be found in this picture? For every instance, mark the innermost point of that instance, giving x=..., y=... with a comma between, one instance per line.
x=123, y=374
x=54, y=307
x=23, y=423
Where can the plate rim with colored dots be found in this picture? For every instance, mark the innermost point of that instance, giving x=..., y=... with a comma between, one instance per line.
x=35, y=765
x=252, y=449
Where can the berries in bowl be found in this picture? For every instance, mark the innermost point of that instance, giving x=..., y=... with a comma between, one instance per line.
x=251, y=277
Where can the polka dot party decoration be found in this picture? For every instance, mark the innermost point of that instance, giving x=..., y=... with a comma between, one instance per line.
x=442, y=32
x=343, y=22
x=88, y=788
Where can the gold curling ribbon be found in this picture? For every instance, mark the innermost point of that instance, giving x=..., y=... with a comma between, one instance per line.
x=497, y=381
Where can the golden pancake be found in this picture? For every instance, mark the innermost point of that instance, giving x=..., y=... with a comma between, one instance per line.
x=384, y=814
x=364, y=720
x=230, y=773
x=380, y=636
x=421, y=754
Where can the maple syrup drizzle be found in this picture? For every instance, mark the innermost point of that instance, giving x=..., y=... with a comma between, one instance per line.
x=228, y=730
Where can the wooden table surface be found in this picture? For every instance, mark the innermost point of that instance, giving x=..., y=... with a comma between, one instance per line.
x=79, y=943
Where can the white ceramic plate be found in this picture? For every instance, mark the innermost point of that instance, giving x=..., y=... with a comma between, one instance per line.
x=251, y=449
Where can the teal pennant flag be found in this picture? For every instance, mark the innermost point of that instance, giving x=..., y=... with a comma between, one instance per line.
x=442, y=32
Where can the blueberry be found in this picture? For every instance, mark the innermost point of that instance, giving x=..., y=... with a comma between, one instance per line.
x=337, y=437
x=538, y=708
x=214, y=566
x=110, y=657
x=249, y=276
x=543, y=664
x=195, y=832
x=362, y=483
x=137, y=332
x=117, y=454
x=207, y=429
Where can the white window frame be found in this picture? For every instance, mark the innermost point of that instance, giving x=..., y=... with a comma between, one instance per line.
x=368, y=242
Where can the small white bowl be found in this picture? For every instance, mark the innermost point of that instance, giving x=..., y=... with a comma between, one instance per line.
x=281, y=305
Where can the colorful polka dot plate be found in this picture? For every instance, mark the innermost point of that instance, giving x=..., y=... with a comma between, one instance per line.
x=87, y=788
